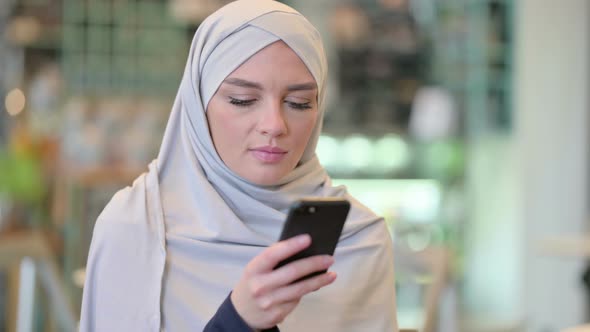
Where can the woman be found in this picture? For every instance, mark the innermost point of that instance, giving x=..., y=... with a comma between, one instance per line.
x=191, y=245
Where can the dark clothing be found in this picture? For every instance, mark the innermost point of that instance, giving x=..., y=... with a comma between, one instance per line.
x=227, y=319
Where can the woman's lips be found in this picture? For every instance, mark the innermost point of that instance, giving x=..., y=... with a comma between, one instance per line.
x=269, y=154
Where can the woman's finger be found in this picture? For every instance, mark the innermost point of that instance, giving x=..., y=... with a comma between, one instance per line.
x=279, y=251
x=294, y=292
x=296, y=270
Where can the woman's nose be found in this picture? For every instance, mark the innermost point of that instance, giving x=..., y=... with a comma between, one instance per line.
x=272, y=121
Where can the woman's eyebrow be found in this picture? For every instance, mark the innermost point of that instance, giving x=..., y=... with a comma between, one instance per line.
x=302, y=86
x=243, y=83
x=249, y=84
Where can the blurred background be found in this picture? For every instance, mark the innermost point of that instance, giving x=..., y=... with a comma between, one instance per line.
x=463, y=122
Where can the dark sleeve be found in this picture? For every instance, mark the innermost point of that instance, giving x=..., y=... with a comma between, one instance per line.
x=227, y=319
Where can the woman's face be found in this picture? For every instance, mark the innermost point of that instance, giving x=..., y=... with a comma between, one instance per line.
x=263, y=113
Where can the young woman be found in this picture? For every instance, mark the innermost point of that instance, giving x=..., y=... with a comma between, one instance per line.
x=192, y=245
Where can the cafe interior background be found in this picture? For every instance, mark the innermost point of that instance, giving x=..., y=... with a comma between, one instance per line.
x=463, y=122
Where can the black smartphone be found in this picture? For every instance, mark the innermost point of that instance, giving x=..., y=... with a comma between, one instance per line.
x=323, y=219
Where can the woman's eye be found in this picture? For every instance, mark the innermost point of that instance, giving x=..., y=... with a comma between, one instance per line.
x=241, y=102
x=299, y=106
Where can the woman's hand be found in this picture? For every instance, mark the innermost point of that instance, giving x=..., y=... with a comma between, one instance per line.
x=264, y=297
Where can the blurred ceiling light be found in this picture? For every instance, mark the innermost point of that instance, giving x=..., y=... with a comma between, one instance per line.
x=327, y=151
x=391, y=153
x=23, y=30
x=358, y=151
x=15, y=102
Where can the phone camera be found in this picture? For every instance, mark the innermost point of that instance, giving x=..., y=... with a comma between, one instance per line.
x=311, y=209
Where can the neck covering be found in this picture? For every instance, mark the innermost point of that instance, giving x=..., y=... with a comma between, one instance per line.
x=216, y=221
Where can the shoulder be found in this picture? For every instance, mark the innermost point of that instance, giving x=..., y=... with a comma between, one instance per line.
x=366, y=238
x=133, y=213
x=125, y=263
x=130, y=225
x=362, y=222
x=127, y=206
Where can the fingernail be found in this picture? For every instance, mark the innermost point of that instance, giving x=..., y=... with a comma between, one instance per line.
x=303, y=238
x=329, y=260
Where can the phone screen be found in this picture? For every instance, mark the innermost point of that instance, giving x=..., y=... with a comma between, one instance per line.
x=323, y=219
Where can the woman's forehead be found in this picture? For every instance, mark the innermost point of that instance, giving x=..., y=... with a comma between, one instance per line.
x=277, y=61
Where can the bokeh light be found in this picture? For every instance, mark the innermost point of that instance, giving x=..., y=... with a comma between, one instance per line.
x=358, y=151
x=327, y=151
x=390, y=153
x=15, y=102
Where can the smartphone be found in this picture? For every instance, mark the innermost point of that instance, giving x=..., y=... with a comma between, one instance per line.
x=323, y=219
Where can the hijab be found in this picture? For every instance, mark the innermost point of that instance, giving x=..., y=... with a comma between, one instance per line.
x=192, y=175
x=210, y=222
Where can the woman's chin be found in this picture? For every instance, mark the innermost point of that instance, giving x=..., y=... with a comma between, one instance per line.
x=265, y=178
